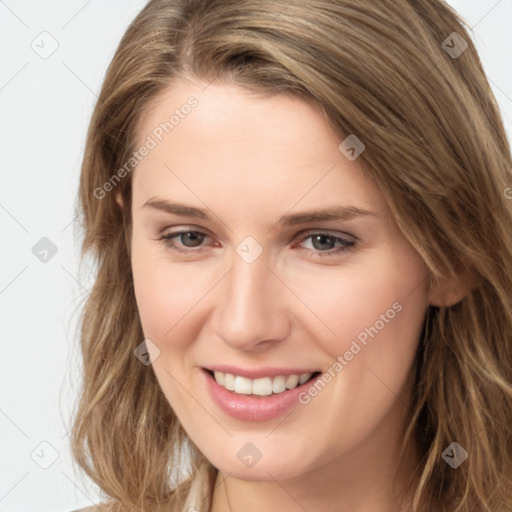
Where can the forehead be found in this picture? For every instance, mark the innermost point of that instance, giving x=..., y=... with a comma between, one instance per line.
x=222, y=135
x=238, y=114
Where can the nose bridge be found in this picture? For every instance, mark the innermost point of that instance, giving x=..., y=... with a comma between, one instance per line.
x=251, y=308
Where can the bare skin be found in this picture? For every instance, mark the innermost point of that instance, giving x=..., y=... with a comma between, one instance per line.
x=249, y=160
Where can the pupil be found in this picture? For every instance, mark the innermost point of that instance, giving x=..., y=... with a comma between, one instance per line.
x=192, y=236
x=322, y=239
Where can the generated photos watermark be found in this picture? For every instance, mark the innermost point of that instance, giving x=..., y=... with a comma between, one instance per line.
x=454, y=455
x=357, y=345
x=152, y=141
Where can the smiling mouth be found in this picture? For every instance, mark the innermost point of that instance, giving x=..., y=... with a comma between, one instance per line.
x=262, y=387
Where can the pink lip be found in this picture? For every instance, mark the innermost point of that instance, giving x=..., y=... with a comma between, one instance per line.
x=259, y=372
x=249, y=408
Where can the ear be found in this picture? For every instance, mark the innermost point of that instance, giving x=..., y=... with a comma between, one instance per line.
x=450, y=291
x=119, y=200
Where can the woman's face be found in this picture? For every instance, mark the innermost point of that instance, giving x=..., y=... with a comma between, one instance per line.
x=293, y=266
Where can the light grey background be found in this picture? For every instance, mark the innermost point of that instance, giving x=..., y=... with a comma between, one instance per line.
x=45, y=106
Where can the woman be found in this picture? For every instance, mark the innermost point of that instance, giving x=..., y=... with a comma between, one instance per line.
x=300, y=218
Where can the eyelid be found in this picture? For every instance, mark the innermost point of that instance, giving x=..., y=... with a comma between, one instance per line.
x=301, y=236
x=185, y=228
x=348, y=241
x=335, y=234
x=303, y=233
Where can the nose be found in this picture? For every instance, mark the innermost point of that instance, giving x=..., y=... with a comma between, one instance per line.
x=251, y=310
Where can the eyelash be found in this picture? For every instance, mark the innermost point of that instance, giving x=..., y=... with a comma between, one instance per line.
x=167, y=240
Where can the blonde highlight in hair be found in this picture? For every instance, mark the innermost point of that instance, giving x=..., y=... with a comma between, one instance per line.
x=436, y=148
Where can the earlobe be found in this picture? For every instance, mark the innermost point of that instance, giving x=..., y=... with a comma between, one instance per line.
x=119, y=200
x=450, y=291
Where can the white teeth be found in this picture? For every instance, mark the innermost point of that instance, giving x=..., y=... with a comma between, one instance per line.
x=292, y=381
x=219, y=377
x=262, y=387
x=278, y=384
x=304, y=377
x=243, y=385
x=229, y=381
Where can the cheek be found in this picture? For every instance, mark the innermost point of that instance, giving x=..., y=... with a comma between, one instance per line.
x=372, y=315
x=364, y=296
x=165, y=297
x=165, y=292
x=378, y=332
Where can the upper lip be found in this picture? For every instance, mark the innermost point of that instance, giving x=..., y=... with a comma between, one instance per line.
x=257, y=373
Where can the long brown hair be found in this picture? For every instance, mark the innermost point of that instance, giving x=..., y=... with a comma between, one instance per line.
x=394, y=74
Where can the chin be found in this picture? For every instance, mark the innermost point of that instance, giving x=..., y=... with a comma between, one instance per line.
x=268, y=471
x=272, y=461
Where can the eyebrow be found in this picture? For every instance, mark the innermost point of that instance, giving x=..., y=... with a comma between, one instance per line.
x=331, y=213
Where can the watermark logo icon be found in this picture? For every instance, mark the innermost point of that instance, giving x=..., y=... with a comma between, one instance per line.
x=249, y=249
x=249, y=455
x=44, y=455
x=44, y=250
x=45, y=45
x=454, y=455
x=454, y=45
x=147, y=352
x=351, y=147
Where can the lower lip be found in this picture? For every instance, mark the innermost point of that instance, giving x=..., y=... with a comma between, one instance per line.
x=248, y=408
